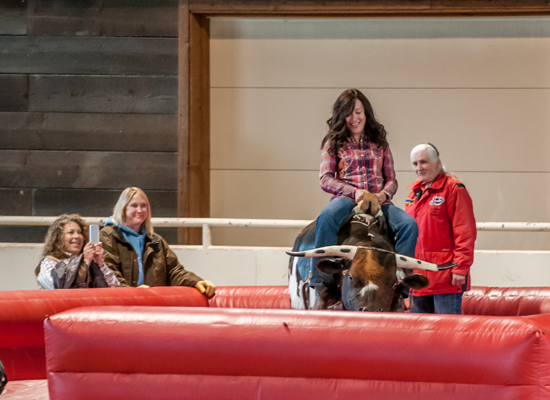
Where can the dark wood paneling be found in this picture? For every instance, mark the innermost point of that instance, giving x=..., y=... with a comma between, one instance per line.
x=15, y=202
x=103, y=94
x=96, y=203
x=103, y=18
x=13, y=17
x=270, y=8
x=95, y=132
x=23, y=234
x=100, y=56
x=170, y=235
x=78, y=169
x=13, y=92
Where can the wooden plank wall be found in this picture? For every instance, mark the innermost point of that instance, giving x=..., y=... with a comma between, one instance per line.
x=88, y=106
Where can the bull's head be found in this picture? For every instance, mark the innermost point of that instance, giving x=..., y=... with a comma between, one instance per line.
x=370, y=282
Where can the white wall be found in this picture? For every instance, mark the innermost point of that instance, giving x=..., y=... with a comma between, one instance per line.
x=249, y=266
x=478, y=88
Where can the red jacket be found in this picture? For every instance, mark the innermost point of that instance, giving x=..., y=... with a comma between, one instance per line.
x=447, y=231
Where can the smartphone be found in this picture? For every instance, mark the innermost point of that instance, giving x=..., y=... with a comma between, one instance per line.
x=94, y=234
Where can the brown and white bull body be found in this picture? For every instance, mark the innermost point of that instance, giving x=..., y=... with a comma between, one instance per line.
x=361, y=273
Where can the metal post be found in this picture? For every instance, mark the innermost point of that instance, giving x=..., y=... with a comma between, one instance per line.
x=206, y=236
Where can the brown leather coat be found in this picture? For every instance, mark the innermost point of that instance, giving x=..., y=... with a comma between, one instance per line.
x=160, y=264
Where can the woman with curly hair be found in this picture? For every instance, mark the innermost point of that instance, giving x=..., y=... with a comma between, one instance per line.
x=139, y=256
x=66, y=248
x=356, y=160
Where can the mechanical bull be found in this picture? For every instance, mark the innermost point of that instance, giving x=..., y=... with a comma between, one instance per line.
x=366, y=275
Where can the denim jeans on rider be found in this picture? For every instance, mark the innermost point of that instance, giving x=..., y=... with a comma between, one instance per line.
x=333, y=216
x=444, y=303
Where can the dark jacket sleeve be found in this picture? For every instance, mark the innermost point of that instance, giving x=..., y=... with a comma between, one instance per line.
x=177, y=275
x=110, y=253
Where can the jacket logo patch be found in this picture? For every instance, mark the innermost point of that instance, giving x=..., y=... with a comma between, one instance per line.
x=409, y=202
x=436, y=201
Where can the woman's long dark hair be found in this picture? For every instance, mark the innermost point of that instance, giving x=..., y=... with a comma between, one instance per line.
x=338, y=133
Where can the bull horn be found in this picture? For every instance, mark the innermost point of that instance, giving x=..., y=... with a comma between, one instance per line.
x=414, y=263
x=328, y=251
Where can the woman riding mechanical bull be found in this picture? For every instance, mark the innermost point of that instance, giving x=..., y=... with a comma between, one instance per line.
x=356, y=165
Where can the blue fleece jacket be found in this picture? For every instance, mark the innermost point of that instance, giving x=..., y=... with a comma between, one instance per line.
x=137, y=241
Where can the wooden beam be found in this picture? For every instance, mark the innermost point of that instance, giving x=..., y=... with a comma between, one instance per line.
x=194, y=120
x=355, y=8
x=199, y=121
x=183, y=117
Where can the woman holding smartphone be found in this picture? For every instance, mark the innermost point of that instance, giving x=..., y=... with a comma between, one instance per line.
x=69, y=260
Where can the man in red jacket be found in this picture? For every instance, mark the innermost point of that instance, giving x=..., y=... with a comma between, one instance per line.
x=443, y=210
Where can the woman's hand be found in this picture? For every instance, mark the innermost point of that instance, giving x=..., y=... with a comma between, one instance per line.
x=458, y=280
x=89, y=252
x=381, y=197
x=98, y=253
x=206, y=287
x=359, y=193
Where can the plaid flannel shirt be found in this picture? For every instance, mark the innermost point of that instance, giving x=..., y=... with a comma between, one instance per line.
x=357, y=167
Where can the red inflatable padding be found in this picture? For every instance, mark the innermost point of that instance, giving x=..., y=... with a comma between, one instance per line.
x=22, y=315
x=206, y=353
x=264, y=297
x=209, y=387
x=26, y=390
x=518, y=301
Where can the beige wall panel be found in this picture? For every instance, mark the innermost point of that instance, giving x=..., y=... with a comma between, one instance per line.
x=268, y=128
x=310, y=53
x=266, y=194
x=475, y=129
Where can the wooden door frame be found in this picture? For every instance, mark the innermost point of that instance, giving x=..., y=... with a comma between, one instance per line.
x=194, y=68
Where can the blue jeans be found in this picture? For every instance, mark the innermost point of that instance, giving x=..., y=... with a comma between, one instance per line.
x=444, y=303
x=402, y=225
